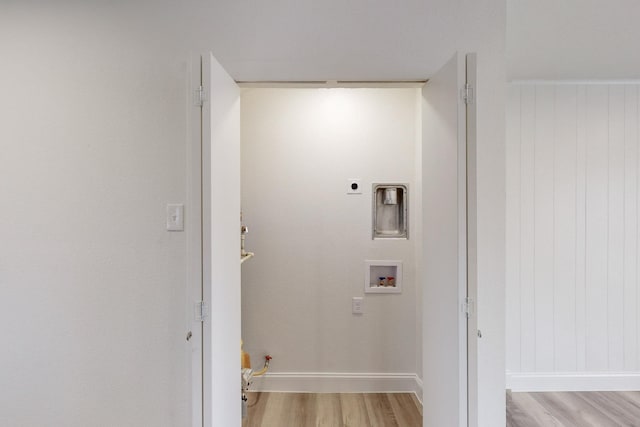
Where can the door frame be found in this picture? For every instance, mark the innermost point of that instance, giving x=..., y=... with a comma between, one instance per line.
x=197, y=264
x=194, y=226
x=472, y=332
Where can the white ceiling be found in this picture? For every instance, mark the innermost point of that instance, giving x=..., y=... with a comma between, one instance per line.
x=379, y=40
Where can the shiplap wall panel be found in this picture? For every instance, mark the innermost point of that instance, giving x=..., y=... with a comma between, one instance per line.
x=581, y=227
x=527, y=231
x=596, y=242
x=573, y=177
x=544, y=226
x=564, y=229
x=631, y=228
x=615, y=190
x=512, y=328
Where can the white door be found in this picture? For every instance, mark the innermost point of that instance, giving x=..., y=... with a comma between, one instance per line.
x=221, y=249
x=444, y=263
x=219, y=399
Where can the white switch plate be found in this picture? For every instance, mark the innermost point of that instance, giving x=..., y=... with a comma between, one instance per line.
x=354, y=186
x=357, y=305
x=175, y=217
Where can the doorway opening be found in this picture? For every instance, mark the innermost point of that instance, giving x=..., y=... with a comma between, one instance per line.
x=297, y=153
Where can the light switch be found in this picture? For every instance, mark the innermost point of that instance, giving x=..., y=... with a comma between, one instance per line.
x=357, y=305
x=175, y=217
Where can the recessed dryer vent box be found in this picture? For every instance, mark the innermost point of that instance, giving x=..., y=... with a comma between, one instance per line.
x=384, y=277
x=390, y=205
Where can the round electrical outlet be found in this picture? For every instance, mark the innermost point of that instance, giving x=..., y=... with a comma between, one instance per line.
x=354, y=186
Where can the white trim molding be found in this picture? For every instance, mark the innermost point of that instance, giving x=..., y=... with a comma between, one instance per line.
x=573, y=381
x=418, y=389
x=334, y=382
x=576, y=82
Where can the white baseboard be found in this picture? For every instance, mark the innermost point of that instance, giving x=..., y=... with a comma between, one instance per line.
x=329, y=382
x=418, y=390
x=573, y=381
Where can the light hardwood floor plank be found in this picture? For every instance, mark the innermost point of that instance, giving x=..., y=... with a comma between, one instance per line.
x=632, y=398
x=579, y=411
x=379, y=410
x=516, y=415
x=302, y=410
x=332, y=410
x=277, y=413
x=573, y=409
x=564, y=409
x=256, y=404
x=399, y=404
x=328, y=410
x=354, y=410
x=533, y=413
x=612, y=406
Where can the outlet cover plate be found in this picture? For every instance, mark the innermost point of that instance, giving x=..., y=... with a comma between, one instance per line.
x=357, y=304
x=175, y=217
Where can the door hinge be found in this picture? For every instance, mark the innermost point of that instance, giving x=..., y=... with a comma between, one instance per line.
x=201, y=311
x=199, y=96
x=467, y=94
x=467, y=307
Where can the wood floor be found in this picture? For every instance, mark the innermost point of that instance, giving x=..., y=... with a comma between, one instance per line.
x=333, y=410
x=574, y=409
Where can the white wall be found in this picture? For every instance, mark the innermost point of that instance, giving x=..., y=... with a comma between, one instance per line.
x=112, y=71
x=548, y=39
x=92, y=287
x=299, y=148
x=572, y=236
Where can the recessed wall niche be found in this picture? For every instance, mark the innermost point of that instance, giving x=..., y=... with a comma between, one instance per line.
x=383, y=276
x=390, y=202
